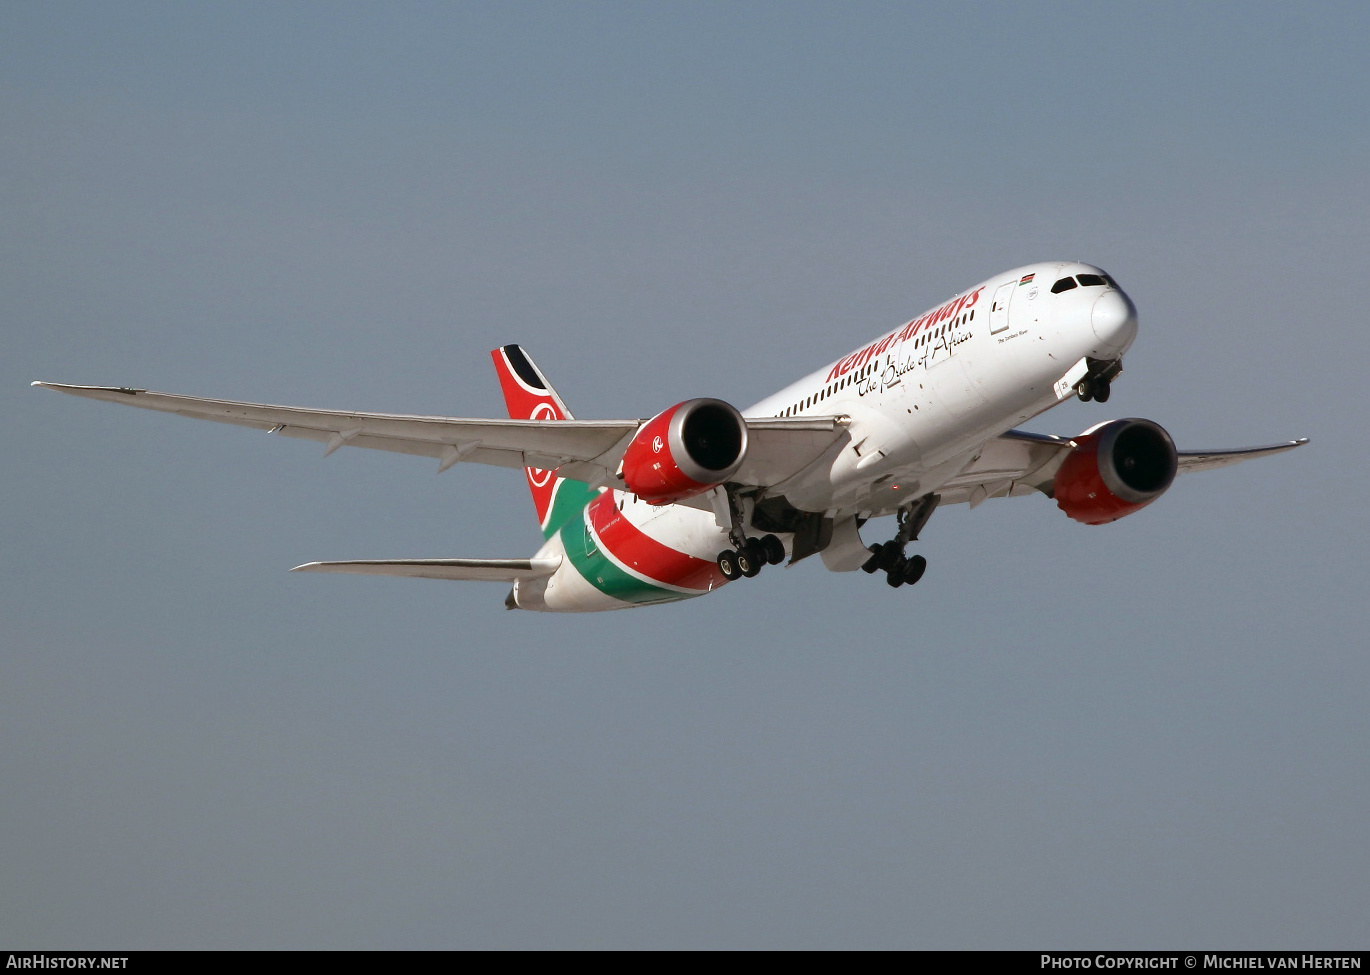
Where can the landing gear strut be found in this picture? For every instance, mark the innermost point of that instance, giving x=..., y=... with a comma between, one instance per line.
x=749, y=554
x=889, y=557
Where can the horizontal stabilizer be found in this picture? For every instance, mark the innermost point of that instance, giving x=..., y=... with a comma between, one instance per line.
x=477, y=570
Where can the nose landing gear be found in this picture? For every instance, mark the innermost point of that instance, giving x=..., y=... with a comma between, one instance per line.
x=1097, y=389
x=1097, y=385
x=889, y=557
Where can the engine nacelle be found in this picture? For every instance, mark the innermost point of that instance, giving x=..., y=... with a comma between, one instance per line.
x=1115, y=469
x=684, y=451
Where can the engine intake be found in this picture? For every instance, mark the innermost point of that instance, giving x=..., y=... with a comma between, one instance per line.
x=1116, y=468
x=684, y=451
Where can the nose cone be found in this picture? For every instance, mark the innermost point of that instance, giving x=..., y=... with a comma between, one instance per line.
x=1114, y=318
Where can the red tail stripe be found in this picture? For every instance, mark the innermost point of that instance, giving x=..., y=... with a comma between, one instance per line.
x=636, y=549
x=524, y=404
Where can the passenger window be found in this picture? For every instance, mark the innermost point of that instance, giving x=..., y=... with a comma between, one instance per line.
x=1065, y=284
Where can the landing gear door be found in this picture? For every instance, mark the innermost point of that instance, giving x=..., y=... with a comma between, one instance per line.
x=998, y=310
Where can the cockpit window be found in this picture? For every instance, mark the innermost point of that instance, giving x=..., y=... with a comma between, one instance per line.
x=1065, y=284
x=1092, y=281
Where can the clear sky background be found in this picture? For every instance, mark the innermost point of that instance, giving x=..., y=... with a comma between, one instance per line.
x=1147, y=735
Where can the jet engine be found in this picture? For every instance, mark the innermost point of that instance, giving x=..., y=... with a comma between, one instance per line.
x=1115, y=469
x=684, y=451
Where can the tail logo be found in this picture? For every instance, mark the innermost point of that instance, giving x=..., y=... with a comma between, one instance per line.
x=528, y=394
x=536, y=475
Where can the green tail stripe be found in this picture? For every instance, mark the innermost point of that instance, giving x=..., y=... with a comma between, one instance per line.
x=569, y=499
x=583, y=551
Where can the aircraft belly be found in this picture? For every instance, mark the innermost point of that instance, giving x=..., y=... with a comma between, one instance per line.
x=563, y=591
x=621, y=552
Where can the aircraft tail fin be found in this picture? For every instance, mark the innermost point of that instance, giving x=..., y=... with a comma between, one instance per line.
x=528, y=395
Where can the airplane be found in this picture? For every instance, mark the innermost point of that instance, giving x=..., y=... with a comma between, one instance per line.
x=637, y=512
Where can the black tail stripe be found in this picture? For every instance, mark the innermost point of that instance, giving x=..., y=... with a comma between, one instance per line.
x=523, y=367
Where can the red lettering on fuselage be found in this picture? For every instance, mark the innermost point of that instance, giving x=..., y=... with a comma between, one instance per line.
x=864, y=355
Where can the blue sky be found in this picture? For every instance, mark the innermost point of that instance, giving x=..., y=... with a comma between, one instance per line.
x=1144, y=735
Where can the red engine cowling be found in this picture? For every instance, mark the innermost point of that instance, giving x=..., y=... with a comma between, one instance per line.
x=685, y=450
x=1115, y=469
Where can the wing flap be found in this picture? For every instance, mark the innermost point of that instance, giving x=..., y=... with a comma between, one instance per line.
x=470, y=570
x=1012, y=464
x=781, y=447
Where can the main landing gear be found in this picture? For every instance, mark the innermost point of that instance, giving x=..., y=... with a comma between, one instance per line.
x=748, y=558
x=748, y=555
x=889, y=557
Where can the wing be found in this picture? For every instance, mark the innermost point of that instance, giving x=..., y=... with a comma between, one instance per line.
x=1017, y=463
x=585, y=450
x=477, y=570
x=778, y=447
x=1203, y=460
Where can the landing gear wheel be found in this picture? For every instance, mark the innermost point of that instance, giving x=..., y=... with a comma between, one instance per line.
x=1102, y=391
x=914, y=570
x=895, y=577
x=746, y=563
x=1086, y=391
x=890, y=556
x=756, y=551
x=727, y=564
x=774, y=549
x=872, y=563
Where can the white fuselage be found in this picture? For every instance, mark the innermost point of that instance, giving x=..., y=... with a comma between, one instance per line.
x=922, y=400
